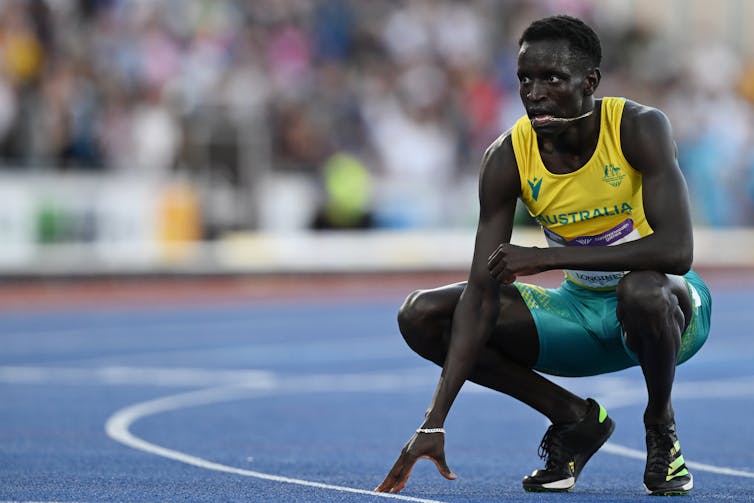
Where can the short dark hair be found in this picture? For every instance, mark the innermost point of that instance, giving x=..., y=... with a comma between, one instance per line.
x=580, y=35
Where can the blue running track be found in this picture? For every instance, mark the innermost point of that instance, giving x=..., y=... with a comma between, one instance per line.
x=311, y=400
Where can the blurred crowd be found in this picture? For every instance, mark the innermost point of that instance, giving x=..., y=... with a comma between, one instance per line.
x=383, y=107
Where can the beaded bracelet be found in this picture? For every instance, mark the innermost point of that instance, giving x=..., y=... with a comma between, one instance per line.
x=430, y=430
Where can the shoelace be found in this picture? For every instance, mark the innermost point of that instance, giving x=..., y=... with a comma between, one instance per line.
x=551, y=448
x=659, y=443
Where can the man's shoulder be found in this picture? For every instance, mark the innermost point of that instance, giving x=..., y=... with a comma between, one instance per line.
x=499, y=173
x=501, y=147
x=644, y=130
x=638, y=114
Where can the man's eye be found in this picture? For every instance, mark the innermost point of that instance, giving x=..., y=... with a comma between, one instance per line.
x=524, y=80
x=553, y=79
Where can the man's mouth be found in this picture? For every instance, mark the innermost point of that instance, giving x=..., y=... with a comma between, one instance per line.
x=541, y=119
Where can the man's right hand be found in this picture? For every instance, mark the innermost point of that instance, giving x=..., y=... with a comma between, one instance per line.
x=420, y=445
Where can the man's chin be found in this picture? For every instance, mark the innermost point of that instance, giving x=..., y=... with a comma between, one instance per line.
x=547, y=128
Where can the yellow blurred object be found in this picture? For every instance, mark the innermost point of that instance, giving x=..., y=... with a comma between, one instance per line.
x=348, y=186
x=179, y=220
x=745, y=84
x=22, y=56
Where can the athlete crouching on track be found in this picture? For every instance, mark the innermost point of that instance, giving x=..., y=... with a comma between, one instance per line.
x=601, y=177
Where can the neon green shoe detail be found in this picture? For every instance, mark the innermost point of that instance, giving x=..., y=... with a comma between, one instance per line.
x=666, y=473
x=566, y=448
x=603, y=414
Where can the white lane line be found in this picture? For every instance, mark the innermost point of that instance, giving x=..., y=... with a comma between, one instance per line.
x=118, y=428
x=133, y=376
x=691, y=390
x=637, y=454
x=612, y=395
x=204, y=378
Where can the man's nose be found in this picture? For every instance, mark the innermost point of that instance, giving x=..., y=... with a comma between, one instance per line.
x=536, y=91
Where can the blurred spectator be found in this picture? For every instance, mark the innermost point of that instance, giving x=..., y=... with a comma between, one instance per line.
x=346, y=195
x=236, y=95
x=155, y=136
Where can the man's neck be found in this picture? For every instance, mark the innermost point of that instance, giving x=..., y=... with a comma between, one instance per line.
x=573, y=146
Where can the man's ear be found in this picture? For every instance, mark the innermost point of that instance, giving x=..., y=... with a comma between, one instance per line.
x=592, y=81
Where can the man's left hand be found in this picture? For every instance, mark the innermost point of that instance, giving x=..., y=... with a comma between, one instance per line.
x=509, y=261
x=430, y=446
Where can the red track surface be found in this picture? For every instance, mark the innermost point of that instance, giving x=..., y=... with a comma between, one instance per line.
x=40, y=294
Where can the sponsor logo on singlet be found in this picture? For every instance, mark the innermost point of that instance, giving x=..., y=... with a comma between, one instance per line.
x=535, y=184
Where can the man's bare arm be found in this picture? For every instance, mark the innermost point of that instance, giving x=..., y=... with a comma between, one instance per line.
x=478, y=306
x=474, y=316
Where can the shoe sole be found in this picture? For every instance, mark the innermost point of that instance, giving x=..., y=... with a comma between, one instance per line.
x=681, y=491
x=674, y=492
x=540, y=489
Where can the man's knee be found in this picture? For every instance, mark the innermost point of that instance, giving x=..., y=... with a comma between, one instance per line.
x=415, y=311
x=644, y=294
x=648, y=309
x=421, y=319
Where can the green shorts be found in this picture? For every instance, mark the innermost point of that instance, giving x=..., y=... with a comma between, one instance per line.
x=579, y=331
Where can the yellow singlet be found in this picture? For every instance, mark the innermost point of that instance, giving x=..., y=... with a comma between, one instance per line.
x=599, y=204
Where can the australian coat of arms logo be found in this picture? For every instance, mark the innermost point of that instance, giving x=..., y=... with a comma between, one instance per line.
x=613, y=175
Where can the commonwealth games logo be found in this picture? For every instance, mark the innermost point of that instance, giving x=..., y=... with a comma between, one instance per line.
x=613, y=175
